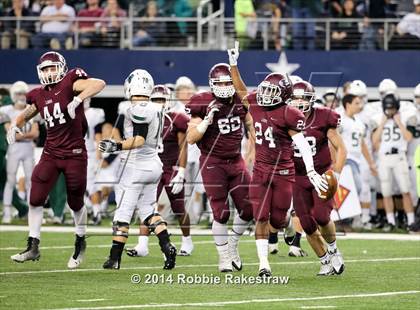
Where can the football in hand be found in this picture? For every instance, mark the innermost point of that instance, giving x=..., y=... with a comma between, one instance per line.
x=332, y=185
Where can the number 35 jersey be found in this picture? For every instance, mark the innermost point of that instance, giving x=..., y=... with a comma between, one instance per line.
x=65, y=136
x=224, y=136
x=316, y=127
x=273, y=144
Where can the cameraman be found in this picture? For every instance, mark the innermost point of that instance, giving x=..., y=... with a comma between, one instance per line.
x=390, y=140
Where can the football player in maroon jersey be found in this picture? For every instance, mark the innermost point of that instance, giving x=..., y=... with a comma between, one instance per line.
x=58, y=101
x=314, y=213
x=217, y=121
x=277, y=125
x=174, y=158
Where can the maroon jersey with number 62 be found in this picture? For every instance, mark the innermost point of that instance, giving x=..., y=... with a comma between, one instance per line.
x=65, y=136
x=174, y=123
x=223, y=137
x=273, y=144
x=316, y=127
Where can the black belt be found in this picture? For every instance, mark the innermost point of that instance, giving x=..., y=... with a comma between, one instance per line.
x=393, y=151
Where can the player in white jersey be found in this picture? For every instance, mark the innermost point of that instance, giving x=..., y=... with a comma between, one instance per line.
x=140, y=169
x=358, y=88
x=20, y=152
x=95, y=118
x=352, y=130
x=390, y=139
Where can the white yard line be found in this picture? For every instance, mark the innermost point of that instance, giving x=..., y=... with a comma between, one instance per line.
x=91, y=300
x=207, y=232
x=241, y=302
x=371, y=260
x=318, y=307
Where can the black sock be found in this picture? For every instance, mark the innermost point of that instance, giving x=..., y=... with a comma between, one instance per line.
x=116, y=250
x=163, y=239
x=296, y=240
x=273, y=238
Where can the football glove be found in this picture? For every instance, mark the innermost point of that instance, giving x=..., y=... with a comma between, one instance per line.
x=71, y=107
x=109, y=146
x=234, y=54
x=208, y=119
x=11, y=134
x=177, y=183
x=319, y=183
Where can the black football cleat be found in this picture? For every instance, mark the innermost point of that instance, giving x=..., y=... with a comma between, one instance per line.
x=79, y=253
x=170, y=256
x=264, y=273
x=112, y=264
x=31, y=252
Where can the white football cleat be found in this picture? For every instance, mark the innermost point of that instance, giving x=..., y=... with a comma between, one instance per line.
x=326, y=269
x=273, y=248
x=7, y=215
x=186, y=247
x=138, y=251
x=225, y=263
x=265, y=269
x=337, y=261
x=234, y=255
x=79, y=253
x=295, y=251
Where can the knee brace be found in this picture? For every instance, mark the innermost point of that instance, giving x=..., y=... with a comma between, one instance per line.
x=120, y=231
x=308, y=223
x=153, y=221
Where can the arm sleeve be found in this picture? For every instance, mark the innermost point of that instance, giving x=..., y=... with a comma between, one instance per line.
x=196, y=107
x=77, y=74
x=181, y=122
x=304, y=149
x=140, y=130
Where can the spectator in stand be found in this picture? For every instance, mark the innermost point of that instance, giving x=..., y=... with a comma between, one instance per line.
x=88, y=29
x=245, y=26
x=177, y=8
x=345, y=35
x=151, y=30
x=56, y=26
x=11, y=33
x=271, y=9
x=408, y=30
x=304, y=32
x=111, y=29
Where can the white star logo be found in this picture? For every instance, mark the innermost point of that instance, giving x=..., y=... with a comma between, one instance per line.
x=282, y=66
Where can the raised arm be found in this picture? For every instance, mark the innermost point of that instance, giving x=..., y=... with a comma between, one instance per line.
x=238, y=83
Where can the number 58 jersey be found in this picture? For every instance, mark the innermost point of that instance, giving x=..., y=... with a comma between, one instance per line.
x=273, y=144
x=65, y=136
x=224, y=136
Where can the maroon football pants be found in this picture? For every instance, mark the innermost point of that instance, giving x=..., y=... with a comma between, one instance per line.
x=224, y=177
x=177, y=201
x=310, y=209
x=271, y=196
x=45, y=175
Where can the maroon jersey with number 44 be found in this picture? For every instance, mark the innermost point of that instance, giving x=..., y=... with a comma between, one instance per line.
x=273, y=144
x=173, y=123
x=316, y=127
x=223, y=137
x=65, y=136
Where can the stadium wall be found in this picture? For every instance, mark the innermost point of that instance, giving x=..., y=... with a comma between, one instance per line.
x=325, y=69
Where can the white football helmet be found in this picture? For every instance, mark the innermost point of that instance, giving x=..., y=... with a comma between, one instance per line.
x=358, y=88
x=138, y=83
x=387, y=86
x=417, y=95
x=295, y=79
x=18, y=92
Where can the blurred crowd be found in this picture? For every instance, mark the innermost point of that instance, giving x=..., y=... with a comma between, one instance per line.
x=254, y=22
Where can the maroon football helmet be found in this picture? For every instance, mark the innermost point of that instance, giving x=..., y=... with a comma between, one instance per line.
x=275, y=89
x=303, y=96
x=51, y=59
x=161, y=92
x=220, y=74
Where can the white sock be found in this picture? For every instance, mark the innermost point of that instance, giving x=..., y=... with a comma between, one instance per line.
x=262, y=251
x=222, y=249
x=80, y=221
x=390, y=217
x=186, y=240
x=35, y=221
x=238, y=228
x=96, y=208
x=410, y=218
x=143, y=242
x=365, y=215
x=325, y=258
x=332, y=247
x=220, y=233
